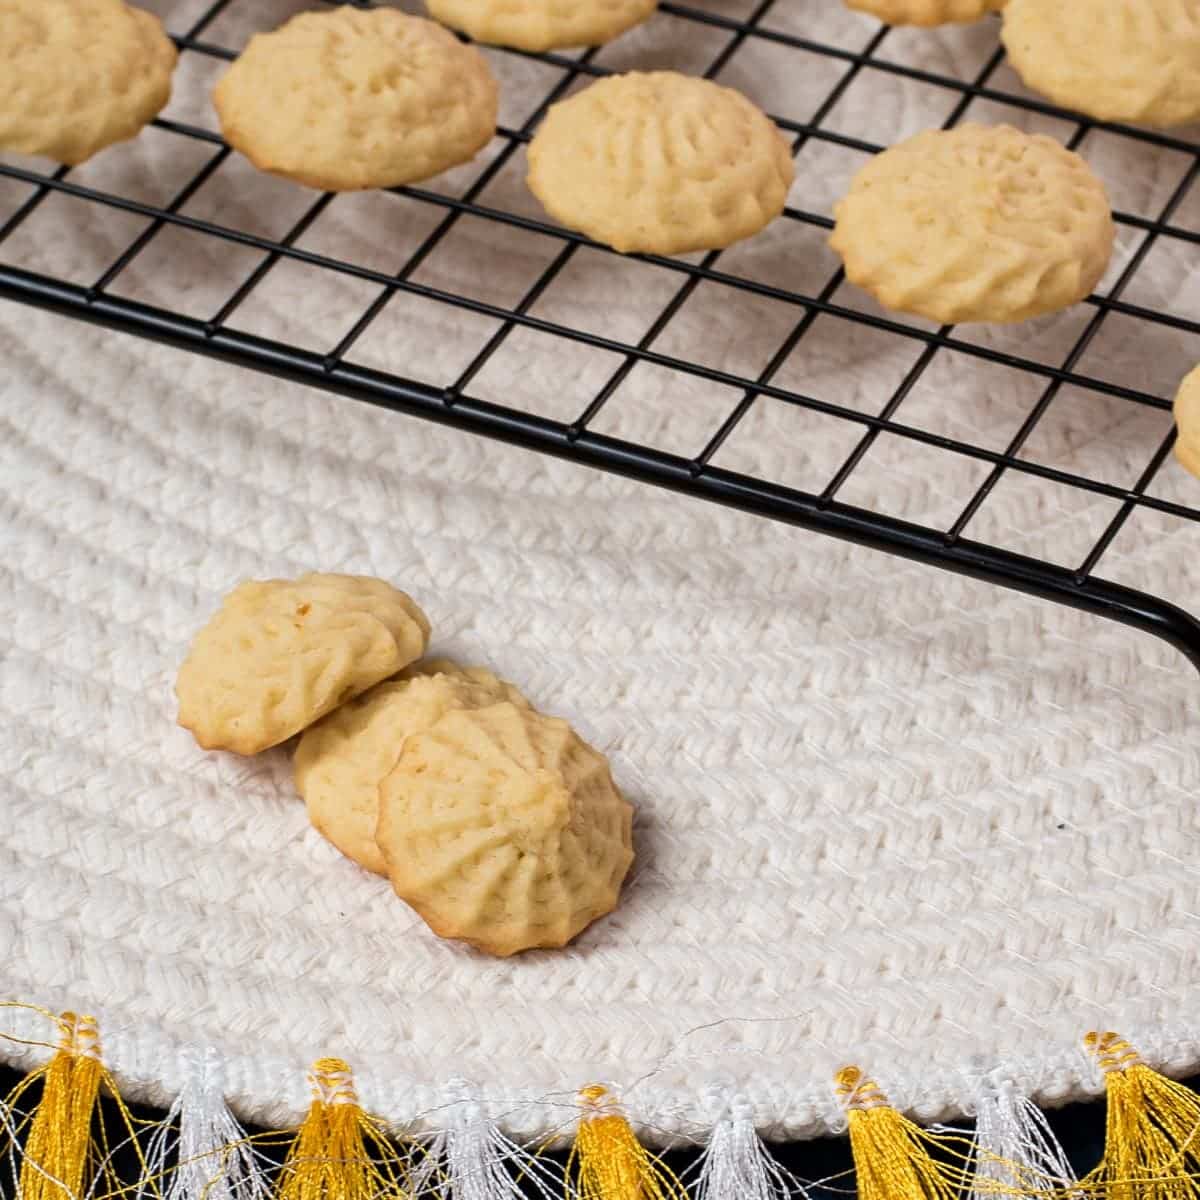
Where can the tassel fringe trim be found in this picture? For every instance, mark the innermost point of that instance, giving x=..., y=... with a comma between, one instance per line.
x=53, y=1147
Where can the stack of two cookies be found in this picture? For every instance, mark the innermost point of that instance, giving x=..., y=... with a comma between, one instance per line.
x=497, y=824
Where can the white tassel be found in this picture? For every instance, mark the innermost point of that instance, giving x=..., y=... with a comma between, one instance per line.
x=1015, y=1147
x=478, y=1162
x=213, y=1159
x=736, y=1165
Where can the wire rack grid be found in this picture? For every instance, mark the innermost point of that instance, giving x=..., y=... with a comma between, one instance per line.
x=825, y=69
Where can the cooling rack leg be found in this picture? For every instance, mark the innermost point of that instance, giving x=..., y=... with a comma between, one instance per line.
x=987, y=563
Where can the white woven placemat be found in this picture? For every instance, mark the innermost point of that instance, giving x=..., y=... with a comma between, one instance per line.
x=884, y=815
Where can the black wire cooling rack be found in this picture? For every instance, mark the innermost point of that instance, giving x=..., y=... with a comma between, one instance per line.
x=452, y=401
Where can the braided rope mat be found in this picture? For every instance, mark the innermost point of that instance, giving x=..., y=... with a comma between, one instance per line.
x=884, y=815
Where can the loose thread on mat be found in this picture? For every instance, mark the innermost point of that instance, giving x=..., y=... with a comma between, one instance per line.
x=607, y=1161
x=1152, y=1129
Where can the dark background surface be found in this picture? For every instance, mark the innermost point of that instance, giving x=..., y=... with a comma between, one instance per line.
x=1080, y=1127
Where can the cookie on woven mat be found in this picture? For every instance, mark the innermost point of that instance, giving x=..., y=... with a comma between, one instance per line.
x=503, y=829
x=975, y=223
x=1115, y=60
x=79, y=75
x=542, y=24
x=927, y=12
x=660, y=163
x=1187, y=420
x=280, y=653
x=354, y=98
x=342, y=759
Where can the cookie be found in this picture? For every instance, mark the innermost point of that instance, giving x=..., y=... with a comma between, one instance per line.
x=1187, y=419
x=357, y=98
x=975, y=223
x=927, y=12
x=342, y=759
x=502, y=828
x=280, y=654
x=79, y=75
x=660, y=163
x=542, y=24
x=1115, y=60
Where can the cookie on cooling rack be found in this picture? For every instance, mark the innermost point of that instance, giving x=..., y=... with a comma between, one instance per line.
x=660, y=163
x=1187, y=421
x=927, y=12
x=542, y=24
x=281, y=653
x=1115, y=60
x=352, y=98
x=342, y=759
x=976, y=223
x=503, y=829
x=79, y=75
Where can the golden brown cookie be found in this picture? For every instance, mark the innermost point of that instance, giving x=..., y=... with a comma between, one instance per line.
x=976, y=223
x=79, y=75
x=660, y=163
x=280, y=653
x=503, y=829
x=1115, y=60
x=542, y=24
x=342, y=759
x=353, y=98
x=927, y=12
x=1187, y=419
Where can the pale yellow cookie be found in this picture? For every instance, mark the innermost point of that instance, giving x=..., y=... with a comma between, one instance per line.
x=281, y=653
x=503, y=829
x=975, y=223
x=1115, y=60
x=660, y=163
x=542, y=24
x=1187, y=419
x=927, y=12
x=341, y=760
x=353, y=98
x=79, y=75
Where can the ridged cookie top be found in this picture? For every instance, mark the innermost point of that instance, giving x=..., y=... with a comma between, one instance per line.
x=1187, y=418
x=975, y=224
x=349, y=99
x=279, y=654
x=1116, y=60
x=927, y=12
x=78, y=75
x=660, y=163
x=503, y=828
x=342, y=759
x=542, y=24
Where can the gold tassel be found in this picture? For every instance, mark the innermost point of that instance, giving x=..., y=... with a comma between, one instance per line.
x=340, y=1153
x=608, y=1162
x=893, y=1157
x=1152, y=1131
x=59, y=1146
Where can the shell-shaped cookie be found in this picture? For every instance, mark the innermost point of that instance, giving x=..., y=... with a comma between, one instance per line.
x=79, y=75
x=353, y=98
x=279, y=654
x=660, y=163
x=504, y=829
x=975, y=223
x=1187, y=421
x=542, y=24
x=341, y=760
x=1115, y=60
x=927, y=12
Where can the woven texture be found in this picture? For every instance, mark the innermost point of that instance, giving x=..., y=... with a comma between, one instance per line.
x=884, y=815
